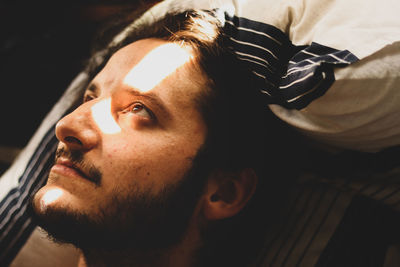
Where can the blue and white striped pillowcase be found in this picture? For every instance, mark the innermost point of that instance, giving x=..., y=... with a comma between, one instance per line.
x=15, y=221
x=291, y=76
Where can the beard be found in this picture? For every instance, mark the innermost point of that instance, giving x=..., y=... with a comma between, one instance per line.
x=138, y=220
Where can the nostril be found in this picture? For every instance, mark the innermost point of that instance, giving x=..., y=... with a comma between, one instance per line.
x=73, y=140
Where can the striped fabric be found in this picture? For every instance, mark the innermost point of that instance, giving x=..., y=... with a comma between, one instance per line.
x=347, y=220
x=15, y=222
x=291, y=76
x=30, y=172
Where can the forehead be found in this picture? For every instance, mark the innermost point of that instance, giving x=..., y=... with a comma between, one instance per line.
x=153, y=66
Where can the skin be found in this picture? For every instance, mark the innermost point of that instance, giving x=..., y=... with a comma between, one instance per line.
x=148, y=152
x=149, y=148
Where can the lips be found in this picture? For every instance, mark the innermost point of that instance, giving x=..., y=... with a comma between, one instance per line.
x=68, y=168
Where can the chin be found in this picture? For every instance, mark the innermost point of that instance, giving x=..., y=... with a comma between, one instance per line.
x=54, y=211
x=46, y=196
x=52, y=199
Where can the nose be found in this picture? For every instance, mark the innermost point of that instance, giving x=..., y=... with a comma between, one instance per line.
x=76, y=129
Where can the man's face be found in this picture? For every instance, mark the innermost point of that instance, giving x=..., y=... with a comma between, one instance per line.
x=130, y=144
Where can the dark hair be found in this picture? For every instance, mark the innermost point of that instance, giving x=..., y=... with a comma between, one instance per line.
x=230, y=86
x=242, y=131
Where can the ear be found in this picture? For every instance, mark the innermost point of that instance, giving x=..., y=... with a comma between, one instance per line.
x=227, y=193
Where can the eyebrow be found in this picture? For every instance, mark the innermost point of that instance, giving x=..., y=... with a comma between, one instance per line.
x=149, y=96
x=92, y=88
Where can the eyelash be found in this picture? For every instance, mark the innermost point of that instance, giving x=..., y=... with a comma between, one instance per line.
x=87, y=98
x=142, y=107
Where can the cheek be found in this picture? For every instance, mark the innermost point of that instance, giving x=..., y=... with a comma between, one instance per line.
x=149, y=163
x=116, y=150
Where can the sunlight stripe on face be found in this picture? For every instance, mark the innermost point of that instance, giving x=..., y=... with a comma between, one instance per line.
x=49, y=197
x=156, y=66
x=102, y=115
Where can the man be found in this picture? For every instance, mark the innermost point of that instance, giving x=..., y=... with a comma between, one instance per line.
x=159, y=164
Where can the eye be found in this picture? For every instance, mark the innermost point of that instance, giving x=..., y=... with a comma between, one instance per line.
x=88, y=97
x=141, y=110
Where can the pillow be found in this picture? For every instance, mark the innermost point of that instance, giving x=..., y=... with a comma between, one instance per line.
x=332, y=75
x=28, y=173
x=360, y=109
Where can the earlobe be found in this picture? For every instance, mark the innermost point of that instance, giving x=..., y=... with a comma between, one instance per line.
x=227, y=193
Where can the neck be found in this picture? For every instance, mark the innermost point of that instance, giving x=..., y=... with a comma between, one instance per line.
x=181, y=255
x=147, y=259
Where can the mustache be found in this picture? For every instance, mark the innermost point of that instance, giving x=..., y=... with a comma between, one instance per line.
x=77, y=159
